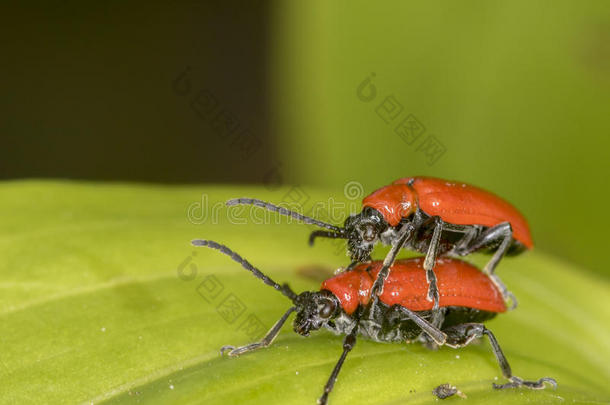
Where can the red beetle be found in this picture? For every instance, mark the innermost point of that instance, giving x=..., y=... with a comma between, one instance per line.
x=402, y=313
x=431, y=216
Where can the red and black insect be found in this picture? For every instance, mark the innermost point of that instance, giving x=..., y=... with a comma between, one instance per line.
x=467, y=298
x=427, y=215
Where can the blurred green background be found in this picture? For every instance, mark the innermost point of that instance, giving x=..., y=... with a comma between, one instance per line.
x=517, y=94
x=512, y=96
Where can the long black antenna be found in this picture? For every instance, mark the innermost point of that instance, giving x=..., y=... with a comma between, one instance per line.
x=246, y=265
x=283, y=211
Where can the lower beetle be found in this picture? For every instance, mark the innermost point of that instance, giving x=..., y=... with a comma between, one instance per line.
x=467, y=297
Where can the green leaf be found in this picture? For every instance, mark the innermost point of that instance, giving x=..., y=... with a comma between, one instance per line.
x=92, y=309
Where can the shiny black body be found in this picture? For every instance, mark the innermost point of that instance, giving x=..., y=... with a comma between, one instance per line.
x=365, y=229
x=383, y=323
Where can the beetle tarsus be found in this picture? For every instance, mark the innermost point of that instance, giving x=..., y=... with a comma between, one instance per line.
x=511, y=300
x=516, y=382
x=226, y=348
x=265, y=341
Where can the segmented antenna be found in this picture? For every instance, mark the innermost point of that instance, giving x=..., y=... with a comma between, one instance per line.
x=283, y=211
x=325, y=234
x=246, y=265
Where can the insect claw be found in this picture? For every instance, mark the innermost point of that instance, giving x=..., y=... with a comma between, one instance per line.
x=226, y=348
x=511, y=300
x=551, y=381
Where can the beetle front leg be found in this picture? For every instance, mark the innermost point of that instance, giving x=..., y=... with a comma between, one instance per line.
x=430, y=260
x=403, y=236
x=377, y=289
x=265, y=341
x=348, y=344
x=463, y=334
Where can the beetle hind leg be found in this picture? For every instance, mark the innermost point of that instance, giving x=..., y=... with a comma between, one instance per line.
x=508, y=296
x=463, y=334
x=516, y=382
x=502, y=234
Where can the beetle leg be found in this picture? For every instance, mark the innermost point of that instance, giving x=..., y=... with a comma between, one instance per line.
x=351, y=265
x=504, y=233
x=430, y=260
x=377, y=289
x=437, y=335
x=265, y=341
x=463, y=334
x=470, y=234
x=405, y=233
x=348, y=344
x=508, y=296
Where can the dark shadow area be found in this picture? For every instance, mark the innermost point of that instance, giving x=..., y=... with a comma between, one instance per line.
x=90, y=91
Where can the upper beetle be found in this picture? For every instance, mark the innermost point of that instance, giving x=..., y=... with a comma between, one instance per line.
x=431, y=216
x=344, y=306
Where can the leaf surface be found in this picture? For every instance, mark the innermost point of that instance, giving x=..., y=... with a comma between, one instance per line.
x=102, y=299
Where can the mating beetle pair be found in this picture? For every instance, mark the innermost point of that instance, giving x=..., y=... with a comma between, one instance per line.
x=434, y=299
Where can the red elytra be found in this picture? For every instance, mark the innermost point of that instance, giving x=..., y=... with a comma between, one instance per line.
x=454, y=202
x=459, y=284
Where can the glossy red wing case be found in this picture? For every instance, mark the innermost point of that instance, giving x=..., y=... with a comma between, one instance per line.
x=459, y=283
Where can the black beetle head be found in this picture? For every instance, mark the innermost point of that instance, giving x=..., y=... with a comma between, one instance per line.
x=363, y=232
x=314, y=310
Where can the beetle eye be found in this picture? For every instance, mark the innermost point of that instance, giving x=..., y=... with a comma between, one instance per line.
x=369, y=233
x=328, y=308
